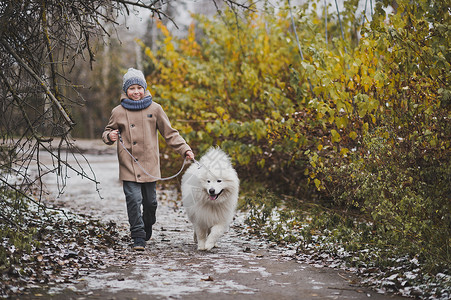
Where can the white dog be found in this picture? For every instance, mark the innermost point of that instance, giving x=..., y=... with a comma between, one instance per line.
x=210, y=195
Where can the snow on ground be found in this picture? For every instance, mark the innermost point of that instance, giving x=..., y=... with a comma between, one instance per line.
x=171, y=266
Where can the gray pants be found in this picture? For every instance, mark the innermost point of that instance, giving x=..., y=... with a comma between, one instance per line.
x=137, y=194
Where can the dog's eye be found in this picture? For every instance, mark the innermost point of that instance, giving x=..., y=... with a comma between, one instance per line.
x=219, y=180
x=208, y=181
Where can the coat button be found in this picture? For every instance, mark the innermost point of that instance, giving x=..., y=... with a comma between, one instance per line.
x=134, y=143
x=139, y=175
x=132, y=125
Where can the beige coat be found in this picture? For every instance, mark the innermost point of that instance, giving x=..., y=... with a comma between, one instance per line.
x=139, y=134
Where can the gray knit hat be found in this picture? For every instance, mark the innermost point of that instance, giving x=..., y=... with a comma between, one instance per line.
x=132, y=77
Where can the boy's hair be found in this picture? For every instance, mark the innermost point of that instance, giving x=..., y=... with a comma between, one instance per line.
x=132, y=77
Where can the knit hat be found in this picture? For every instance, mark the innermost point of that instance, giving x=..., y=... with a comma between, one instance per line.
x=132, y=77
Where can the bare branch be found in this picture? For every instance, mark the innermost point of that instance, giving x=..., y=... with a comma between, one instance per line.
x=232, y=4
x=40, y=81
x=25, y=115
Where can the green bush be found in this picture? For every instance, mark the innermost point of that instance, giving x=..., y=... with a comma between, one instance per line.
x=14, y=231
x=405, y=193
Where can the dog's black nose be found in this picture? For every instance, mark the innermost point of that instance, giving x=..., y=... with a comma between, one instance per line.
x=211, y=191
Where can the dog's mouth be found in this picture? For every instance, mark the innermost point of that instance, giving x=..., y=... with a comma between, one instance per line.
x=215, y=196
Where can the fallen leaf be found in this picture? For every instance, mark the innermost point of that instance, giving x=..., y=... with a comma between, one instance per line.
x=209, y=278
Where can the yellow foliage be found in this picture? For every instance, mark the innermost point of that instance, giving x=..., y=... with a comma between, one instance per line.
x=335, y=136
x=164, y=30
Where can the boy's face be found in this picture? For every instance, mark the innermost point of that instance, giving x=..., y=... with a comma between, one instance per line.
x=135, y=92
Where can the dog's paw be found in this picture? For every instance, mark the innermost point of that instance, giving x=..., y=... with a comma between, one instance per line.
x=201, y=245
x=209, y=246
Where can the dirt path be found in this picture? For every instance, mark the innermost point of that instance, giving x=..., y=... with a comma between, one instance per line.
x=243, y=267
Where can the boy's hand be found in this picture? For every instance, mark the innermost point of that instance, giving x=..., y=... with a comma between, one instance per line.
x=113, y=135
x=189, y=154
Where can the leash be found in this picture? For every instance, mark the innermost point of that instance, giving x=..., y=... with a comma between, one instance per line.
x=141, y=167
x=202, y=165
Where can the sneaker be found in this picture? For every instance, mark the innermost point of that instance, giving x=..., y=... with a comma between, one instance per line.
x=139, y=244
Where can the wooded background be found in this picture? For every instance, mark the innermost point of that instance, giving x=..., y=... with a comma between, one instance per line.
x=344, y=105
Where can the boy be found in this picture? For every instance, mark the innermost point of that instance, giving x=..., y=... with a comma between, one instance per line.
x=137, y=119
